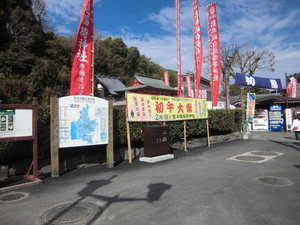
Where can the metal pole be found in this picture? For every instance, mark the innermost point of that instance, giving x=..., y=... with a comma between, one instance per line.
x=93, y=82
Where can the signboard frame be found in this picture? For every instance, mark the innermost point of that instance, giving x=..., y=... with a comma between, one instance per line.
x=54, y=132
x=68, y=107
x=34, y=137
x=162, y=120
x=22, y=113
x=157, y=108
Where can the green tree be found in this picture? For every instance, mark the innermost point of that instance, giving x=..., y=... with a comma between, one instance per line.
x=31, y=61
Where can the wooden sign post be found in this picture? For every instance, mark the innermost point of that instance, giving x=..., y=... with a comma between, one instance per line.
x=129, y=143
x=207, y=131
x=54, y=135
x=184, y=136
x=67, y=115
x=110, y=146
x=19, y=123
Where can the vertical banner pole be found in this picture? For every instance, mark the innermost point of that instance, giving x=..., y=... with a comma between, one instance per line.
x=110, y=146
x=179, y=75
x=184, y=132
x=93, y=78
x=54, y=136
x=129, y=143
x=207, y=130
x=35, y=138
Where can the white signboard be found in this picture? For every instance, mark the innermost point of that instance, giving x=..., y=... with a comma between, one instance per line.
x=288, y=119
x=15, y=123
x=83, y=121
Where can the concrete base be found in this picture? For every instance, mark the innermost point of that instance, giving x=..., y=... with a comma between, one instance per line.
x=246, y=136
x=157, y=158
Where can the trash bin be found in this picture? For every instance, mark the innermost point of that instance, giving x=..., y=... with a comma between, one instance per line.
x=156, y=141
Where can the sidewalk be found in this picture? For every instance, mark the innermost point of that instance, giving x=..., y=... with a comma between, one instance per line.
x=275, y=136
x=200, y=186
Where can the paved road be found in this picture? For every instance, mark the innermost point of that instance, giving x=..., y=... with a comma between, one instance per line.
x=198, y=187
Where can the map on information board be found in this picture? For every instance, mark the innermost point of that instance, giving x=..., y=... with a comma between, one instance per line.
x=83, y=121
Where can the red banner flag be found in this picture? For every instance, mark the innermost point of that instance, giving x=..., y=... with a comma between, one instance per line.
x=214, y=52
x=292, y=88
x=198, y=50
x=166, y=78
x=179, y=76
x=81, y=79
x=189, y=86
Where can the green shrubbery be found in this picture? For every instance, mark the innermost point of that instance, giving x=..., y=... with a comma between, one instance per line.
x=220, y=122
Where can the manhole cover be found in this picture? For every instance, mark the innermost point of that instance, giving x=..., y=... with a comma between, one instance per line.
x=249, y=158
x=66, y=214
x=277, y=181
x=13, y=197
x=264, y=153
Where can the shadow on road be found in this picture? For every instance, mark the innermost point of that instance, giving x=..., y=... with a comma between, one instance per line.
x=155, y=192
x=289, y=138
x=294, y=145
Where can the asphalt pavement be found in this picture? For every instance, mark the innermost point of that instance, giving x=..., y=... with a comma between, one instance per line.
x=244, y=182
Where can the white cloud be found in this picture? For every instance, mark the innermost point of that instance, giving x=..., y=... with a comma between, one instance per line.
x=265, y=24
x=68, y=10
x=162, y=50
x=63, y=30
x=260, y=23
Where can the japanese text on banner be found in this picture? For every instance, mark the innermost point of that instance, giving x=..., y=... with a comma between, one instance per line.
x=198, y=51
x=81, y=83
x=214, y=52
x=151, y=108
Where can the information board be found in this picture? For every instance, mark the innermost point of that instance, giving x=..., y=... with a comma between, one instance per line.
x=147, y=108
x=83, y=121
x=15, y=123
x=276, y=118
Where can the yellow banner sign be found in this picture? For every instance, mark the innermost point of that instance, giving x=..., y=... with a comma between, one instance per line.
x=147, y=108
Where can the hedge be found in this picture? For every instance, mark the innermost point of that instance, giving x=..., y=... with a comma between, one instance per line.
x=220, y=122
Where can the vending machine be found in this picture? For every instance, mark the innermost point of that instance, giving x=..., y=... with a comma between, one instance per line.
x=276, y=119
x=260, y=121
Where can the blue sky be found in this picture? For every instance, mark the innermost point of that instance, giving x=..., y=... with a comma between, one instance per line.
x=150, y=25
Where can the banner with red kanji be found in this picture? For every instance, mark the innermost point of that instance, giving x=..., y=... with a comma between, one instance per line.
x=151, y=108
x=81, y=78
x=189, y=86
x=214, y=52
x=166, y=78
x=198, y=51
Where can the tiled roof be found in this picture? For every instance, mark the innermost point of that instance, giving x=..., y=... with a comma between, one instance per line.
x=153, y=82
x=147, y=81
x=110, y=83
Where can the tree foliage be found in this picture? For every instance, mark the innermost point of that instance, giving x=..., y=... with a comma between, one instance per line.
x=249, y=59
x=34, y=61
x=246, y=60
